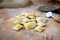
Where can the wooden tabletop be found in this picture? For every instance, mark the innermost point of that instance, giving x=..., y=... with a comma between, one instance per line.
x=52, y=31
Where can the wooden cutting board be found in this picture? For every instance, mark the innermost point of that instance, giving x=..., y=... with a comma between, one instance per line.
x=52, y=31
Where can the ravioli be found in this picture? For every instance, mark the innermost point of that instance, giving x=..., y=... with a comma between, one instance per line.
x=17, y=27
x=41, y=24
x=16, y=22
x=29, y=20
x=30, y=25
x=41, y=19
x=39, y=28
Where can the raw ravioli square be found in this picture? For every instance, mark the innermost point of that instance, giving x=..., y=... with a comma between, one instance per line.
x=30, y=25
x=17, y=27
x=39, y=29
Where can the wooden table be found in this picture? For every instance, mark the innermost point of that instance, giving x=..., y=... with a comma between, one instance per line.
x=52, y=31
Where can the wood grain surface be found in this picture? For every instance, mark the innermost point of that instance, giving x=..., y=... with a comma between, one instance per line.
x=52, y=31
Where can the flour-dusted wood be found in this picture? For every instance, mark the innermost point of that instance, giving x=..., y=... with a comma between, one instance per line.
x=52, y=31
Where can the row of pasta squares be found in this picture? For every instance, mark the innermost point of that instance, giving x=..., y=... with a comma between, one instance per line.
x=29, y=20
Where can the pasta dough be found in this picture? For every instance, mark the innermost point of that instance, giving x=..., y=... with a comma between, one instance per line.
x=39, y=28
x=41, y=19
x=41, y=24
x=17, y=27
x=30, y=25
x=30, y=20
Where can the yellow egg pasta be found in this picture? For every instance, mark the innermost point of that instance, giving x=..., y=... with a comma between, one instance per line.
x=17, y=27
x=30, y=25
x=29, y=20
x=39, y=28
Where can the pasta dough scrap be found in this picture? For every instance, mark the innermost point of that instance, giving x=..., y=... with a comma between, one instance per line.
x=39, y=28
x=30, y=25
x=17, y=27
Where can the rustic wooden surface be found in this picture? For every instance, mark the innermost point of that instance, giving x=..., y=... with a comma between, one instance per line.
x=52, y=31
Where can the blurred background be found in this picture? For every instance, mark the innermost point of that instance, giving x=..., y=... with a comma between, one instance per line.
x=19, y=3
